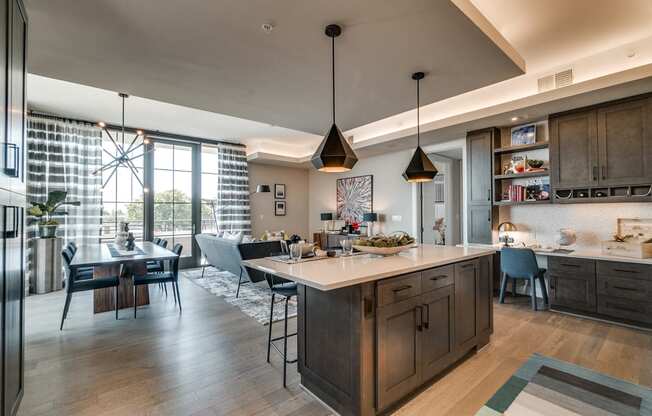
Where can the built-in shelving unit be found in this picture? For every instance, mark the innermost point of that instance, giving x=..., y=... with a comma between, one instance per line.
x=521, y=148
x=510, y=203
x=522, y=175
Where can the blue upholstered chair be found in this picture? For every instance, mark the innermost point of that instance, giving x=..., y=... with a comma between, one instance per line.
x=521, y=263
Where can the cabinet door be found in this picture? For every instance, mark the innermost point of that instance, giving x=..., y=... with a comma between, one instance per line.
x=573, y=150
x=485, y=295
x=15, y=148
x=479, y=224
x=574, y=291
x=466, y=305
x=399, y=350
x=438, y=331
x=479, y=167
x=625, y=143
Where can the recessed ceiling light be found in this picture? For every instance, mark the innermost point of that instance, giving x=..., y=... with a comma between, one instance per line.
x=267, y=27
x=514, y=118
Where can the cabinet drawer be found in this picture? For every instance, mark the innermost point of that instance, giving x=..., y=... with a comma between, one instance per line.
x=625, y=288
x=400, y=288
x=626, y=270
x=436, y=278
x=625, y=309
x=571, y=265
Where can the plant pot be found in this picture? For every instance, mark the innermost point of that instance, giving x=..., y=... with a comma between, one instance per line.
x=47, y=231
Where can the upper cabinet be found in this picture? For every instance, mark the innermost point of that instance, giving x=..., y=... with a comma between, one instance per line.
x=480, y=211
x=603, y=152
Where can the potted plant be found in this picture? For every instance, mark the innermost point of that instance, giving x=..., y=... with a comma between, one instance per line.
x=47, y=226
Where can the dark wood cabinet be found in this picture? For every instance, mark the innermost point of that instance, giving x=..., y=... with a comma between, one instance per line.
x=466, y=303
x=572, y=283
x=574, y=150
x=438, y=345
x=485, y=296
x=481, y=213
x=625, y=143
x=399, y=350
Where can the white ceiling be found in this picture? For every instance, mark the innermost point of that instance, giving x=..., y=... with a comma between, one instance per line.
x=214, y=56
x=549, y=33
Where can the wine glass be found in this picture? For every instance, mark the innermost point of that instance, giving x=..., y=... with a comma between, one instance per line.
x=347, y=247
x=295, y=251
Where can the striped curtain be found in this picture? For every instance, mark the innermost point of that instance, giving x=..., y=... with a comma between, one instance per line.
x=232, y=204
x=61, y=155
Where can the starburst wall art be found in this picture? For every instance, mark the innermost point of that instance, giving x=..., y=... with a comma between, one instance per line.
x=354, y=197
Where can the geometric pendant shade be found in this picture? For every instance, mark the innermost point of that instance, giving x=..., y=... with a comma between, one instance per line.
x=420, y=168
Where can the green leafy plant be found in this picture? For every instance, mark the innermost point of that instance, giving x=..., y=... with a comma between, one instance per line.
x=45, y=211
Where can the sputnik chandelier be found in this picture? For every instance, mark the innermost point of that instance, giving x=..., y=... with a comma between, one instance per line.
x=125, y=156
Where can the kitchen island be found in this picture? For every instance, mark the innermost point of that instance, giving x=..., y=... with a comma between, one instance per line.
x=373, y=330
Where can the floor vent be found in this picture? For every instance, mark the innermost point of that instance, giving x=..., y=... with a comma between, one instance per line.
x=558, y=80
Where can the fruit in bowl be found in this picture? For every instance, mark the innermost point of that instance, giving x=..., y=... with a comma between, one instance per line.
x=535, y=163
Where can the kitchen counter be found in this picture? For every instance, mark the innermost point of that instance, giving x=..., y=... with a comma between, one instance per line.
x=335, y=273
x=372, y=331
x=583, y=253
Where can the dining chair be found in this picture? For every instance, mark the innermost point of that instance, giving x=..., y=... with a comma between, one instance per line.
x=171, y=276
x=156, y=266
x=521, y=263
x=71, y=250
x=78, y=281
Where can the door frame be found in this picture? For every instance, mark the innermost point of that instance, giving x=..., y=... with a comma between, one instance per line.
x=195, y=198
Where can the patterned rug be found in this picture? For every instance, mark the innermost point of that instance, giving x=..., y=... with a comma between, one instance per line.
x=254, y=299
x=547, y=387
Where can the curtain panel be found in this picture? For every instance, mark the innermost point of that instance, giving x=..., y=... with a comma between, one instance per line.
x=62, y=155
x=232, y=205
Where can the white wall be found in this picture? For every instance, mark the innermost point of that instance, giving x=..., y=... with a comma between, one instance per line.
x=393, y=196
x=592, y=222
x=262, y=205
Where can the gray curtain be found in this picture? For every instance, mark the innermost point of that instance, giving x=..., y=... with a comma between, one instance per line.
x=61, y=155
x=232, y=206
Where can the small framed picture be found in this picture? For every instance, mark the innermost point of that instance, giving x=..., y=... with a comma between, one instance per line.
x=279, y=190
x=526, y=134
x=279, y=208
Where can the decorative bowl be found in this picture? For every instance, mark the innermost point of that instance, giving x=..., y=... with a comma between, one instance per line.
x=383, y=251
x=535, y=163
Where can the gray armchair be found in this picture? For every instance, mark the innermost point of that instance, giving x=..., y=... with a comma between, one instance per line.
x=225, y=254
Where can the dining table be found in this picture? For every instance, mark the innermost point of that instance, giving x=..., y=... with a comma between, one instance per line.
x=107, y=259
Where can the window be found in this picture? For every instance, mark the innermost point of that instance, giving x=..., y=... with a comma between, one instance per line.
x=122, y=196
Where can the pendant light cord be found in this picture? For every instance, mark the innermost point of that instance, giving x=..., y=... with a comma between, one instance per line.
x=418, y=120
x=123, y=121
x=333, y=73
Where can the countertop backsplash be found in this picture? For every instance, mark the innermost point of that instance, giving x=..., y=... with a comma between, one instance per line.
x=593, y=223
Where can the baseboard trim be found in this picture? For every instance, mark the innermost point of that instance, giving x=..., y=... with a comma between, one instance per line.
x=606, y=321
x=304, y=388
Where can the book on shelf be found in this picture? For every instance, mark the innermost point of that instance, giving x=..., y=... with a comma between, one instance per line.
x=534, y=190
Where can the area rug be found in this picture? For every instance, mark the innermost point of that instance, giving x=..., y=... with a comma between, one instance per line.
x=254, y=299
x=548, y=387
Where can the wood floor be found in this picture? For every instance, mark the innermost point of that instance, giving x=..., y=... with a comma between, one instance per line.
x=210, y=360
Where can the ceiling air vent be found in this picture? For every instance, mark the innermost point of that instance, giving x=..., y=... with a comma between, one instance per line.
x=564, y=78
x=558, y=80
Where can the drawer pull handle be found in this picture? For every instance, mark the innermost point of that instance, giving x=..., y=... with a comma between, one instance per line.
x=570, y=265
x=466, y=266
x=626, y=271
x=426, y=324
x=402, y=288
x=419, y=318
x=441, y=276
x=622, y=308
x=630, y=289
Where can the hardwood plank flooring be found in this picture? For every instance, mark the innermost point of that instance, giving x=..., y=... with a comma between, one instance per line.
x=210, y=359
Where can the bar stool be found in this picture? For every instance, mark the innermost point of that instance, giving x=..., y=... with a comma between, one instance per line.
x=285, y=289
x=521, y=263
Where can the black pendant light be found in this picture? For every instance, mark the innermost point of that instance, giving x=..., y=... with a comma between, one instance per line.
x=420, y=168
x=334, y=154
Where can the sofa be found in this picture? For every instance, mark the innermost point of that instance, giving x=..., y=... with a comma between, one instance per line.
x=226, y=254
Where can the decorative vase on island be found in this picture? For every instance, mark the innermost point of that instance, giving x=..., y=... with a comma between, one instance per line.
x=122, y=235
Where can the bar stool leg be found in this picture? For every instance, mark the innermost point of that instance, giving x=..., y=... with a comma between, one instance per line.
x=271, y=318
x=285, y=342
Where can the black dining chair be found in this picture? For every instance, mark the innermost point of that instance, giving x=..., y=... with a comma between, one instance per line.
x=171, y=276
x=521, y=263
x=80, y=281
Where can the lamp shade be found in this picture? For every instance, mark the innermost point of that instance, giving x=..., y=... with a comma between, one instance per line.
x=506, y=226
x=262, y=189
x=370, y=217
x=326, y=216
x=420, y=168
x=334, y=154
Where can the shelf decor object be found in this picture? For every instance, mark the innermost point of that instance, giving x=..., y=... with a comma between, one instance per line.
x=505, y=228
x=633, y=239
x=370, y=218
x=334, y=154
x=126, y=154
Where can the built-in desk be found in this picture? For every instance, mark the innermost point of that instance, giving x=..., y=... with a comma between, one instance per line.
x=590, y=283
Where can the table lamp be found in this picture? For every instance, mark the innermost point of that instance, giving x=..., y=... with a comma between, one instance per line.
x=370, y=218
x=326, y=218
x=505, y=238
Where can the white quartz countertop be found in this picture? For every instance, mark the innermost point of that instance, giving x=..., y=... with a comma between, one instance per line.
x=334, y=273
x=581, y=253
